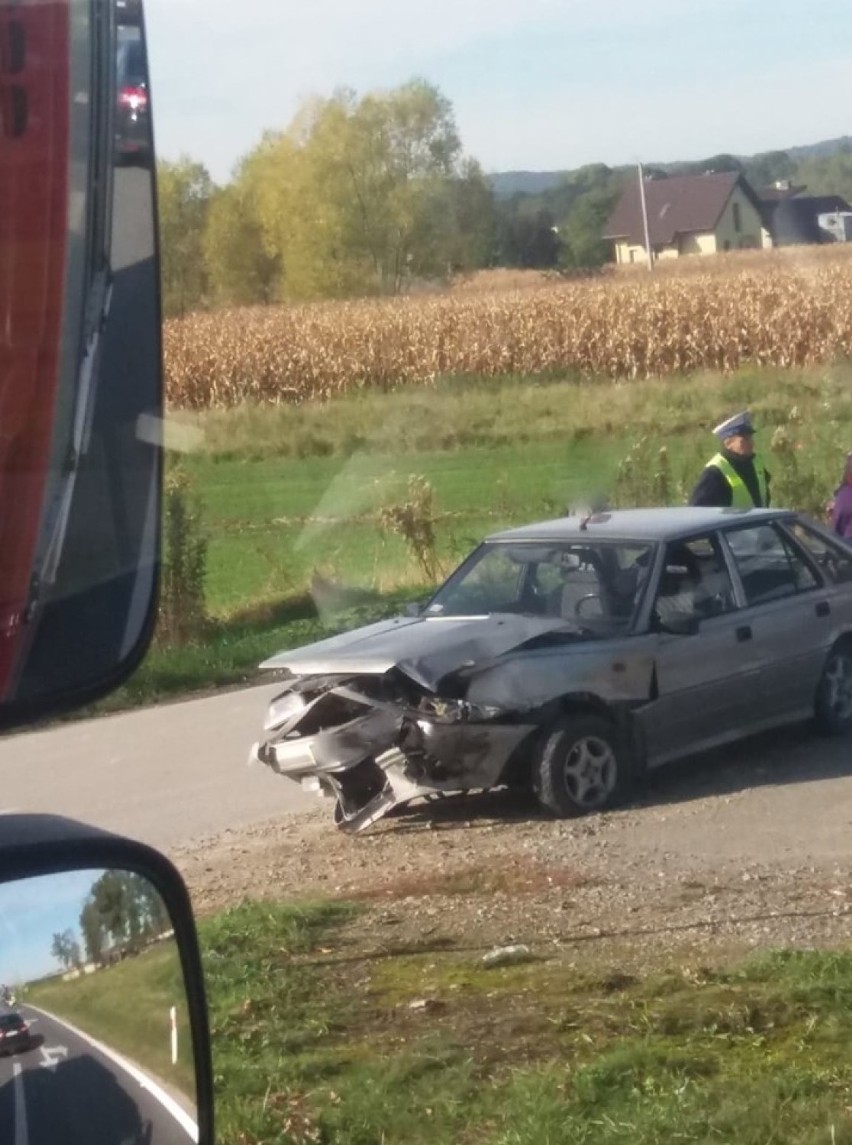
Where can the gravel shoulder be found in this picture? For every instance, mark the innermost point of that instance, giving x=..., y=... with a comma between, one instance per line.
x=743, y=849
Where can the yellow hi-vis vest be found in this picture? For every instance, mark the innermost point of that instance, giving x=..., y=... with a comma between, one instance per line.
x=741, y=498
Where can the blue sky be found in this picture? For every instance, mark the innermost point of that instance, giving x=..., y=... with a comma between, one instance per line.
x=31, y=912
x=536, y=84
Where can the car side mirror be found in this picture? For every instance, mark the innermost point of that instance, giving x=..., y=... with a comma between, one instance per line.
x=101, y=987
x=415, y=608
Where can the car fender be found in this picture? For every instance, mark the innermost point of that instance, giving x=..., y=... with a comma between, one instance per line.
x=618, y=673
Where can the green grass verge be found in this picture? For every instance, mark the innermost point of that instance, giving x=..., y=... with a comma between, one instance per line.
x=127, y=1008
x=287, y=491
x=478, y=412
x=273, y=521
x=496, y=452
x=313, y=1044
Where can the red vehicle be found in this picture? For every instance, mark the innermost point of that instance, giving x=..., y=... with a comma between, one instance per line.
x=34, y=158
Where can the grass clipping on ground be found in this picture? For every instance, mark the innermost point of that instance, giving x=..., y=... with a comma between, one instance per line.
x=317, y=1042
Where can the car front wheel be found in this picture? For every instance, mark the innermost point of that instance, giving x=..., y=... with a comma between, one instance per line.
x=833, y=708
x=583, y=766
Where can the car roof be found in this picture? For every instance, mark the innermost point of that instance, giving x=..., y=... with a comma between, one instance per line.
x=648, y=525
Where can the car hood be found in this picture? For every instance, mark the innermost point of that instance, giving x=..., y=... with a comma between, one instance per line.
x=425, y=648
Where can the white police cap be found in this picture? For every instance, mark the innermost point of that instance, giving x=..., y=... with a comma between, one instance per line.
x=739, y=423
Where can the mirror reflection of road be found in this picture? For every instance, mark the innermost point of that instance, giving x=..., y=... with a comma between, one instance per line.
x=66, y=1091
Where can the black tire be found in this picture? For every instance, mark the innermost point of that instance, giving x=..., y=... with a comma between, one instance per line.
x=833, y=706
x=584, y=765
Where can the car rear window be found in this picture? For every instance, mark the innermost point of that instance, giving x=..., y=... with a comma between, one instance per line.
x=131, y=67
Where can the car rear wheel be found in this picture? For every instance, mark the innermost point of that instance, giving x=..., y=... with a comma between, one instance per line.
x=583, y=766
x=833, y=708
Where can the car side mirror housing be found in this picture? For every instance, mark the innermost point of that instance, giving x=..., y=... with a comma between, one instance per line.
x=415, y=608
x=101, y=985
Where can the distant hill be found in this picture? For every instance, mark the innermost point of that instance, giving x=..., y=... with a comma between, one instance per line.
x=821, y=150
x=507, y=184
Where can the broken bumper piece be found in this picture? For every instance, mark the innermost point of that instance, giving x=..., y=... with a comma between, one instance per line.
x=384, y=758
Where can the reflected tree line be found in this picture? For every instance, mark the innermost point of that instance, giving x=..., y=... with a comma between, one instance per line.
x=121, y=914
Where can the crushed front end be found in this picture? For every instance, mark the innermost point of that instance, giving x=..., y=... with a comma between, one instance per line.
x=373, y=742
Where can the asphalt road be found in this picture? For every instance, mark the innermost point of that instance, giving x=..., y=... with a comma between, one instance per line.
x=66, y=1091
x=178, y=773
x=165, y=775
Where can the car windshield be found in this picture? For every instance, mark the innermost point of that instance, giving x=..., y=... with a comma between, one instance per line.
x=597, y=583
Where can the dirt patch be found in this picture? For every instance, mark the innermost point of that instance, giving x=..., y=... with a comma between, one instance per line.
x=621, y=890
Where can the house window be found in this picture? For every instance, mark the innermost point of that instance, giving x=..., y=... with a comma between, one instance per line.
x=738, y=223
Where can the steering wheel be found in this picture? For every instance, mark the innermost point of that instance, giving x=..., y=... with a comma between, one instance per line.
x=578, y=607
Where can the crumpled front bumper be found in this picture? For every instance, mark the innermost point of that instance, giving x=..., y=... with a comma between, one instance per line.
x=332, y=750
x=386, y=756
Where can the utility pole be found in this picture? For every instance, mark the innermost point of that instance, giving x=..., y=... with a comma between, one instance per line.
x=648, y=250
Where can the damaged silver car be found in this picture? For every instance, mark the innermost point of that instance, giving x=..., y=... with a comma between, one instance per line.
x=570, y=656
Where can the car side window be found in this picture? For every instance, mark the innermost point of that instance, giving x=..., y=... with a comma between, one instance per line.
x=769, y=567
x=833, y=559
x=695, y=582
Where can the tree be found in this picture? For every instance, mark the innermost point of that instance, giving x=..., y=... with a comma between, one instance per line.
x=768, y=168
x=582, y=244
x=828, y=175
x=363, y=195
x=240, y=267
x=124, y=908
x=94, y=934
x=184, y=192
x=528, y=240
x=66, y=949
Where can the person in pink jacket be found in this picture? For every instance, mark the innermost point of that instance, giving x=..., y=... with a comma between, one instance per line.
x=841, y=506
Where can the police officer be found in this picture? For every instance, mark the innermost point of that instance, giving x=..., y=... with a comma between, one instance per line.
x=733, y=478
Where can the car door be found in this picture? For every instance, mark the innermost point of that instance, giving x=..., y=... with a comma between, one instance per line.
x=787, y=616
x=704, y=681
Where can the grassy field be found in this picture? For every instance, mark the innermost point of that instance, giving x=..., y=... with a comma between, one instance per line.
x=127, y=1008
x=290, y=493
x=314, y=1044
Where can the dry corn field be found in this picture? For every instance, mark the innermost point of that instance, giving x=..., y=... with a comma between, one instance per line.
x=781, y=310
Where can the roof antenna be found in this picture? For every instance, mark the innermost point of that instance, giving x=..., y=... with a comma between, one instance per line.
x=584, y=524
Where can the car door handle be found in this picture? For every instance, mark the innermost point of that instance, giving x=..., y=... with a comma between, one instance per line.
x=744, y=633
x=823, y=608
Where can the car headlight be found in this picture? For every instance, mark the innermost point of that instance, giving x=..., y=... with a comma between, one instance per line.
x=460, y=711
x=284, y=708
